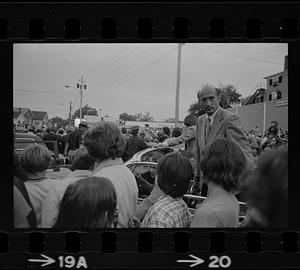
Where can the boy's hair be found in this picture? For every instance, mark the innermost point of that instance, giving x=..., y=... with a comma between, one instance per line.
x=174, y=172
x=223, y=163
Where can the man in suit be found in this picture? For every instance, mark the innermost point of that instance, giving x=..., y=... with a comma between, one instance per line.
x=187, y=137
x=217, y=122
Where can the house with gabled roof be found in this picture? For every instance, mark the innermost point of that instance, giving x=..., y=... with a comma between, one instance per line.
x=40, y=119
x=22, y=117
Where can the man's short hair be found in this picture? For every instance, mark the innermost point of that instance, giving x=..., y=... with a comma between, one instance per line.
x=167, y=131
x=223, y=163
x=105, y=140
x=190, y=120
x=36, y=159
x=81, y=159
x=207, y=86
x=174, y=172
x=135, y=130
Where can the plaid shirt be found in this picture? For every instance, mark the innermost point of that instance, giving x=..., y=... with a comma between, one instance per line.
x=168, y=212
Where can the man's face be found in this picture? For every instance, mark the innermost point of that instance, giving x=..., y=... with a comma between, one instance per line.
x=152, y=172
x=209, y=100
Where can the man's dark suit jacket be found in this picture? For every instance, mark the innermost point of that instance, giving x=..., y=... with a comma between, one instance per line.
x=226, y=124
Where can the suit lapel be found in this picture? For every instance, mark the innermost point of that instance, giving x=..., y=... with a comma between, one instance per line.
x=202, y=132
x=216, y=126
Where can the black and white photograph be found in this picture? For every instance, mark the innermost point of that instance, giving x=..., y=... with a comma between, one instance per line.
x=150, y=135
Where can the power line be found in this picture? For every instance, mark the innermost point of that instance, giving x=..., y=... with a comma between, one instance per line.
x=123, y=68
x=42, y=92
x=238, y=56
x=265, y=49
x=112, y=62
x=141, y=69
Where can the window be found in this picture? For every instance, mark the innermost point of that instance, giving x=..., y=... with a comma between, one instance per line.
x=270, y=96
x=262, y=99
x=19, y=122
x=270, y=82
x=278, y=94
x=280, y=79
x=36, y=122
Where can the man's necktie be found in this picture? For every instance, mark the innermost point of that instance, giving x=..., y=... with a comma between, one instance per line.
x=207, y=129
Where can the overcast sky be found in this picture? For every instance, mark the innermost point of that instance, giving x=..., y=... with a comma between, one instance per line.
x=135, y=78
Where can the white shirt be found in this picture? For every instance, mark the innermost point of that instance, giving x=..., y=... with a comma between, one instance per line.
x=37, y=190
x=50, y=206
x=212, y=117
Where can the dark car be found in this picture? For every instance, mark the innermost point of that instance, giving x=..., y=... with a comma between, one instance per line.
x=24, y=140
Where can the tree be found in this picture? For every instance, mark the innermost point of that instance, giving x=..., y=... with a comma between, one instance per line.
x=58, y=121
x=228, y=96
x=146, y=117
x=195, y=109
x=127, y=117
x=86, y=110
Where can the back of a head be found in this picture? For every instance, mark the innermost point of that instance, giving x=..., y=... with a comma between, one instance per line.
x=268, y=186
x=52, y=129
x=223, y=163
x=174, y=172
x=135, y=130
x=36, y=158
x=124, y=130
x=190, y=120
x=176, y=132
x=167, y=131
x=87, y=203
x=105, y=140
x=81, y=160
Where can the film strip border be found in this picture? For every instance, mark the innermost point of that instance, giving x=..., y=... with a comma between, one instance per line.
x=145, y=249
x=152, y=22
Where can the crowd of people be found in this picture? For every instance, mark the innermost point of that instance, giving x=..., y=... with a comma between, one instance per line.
x=226, y=162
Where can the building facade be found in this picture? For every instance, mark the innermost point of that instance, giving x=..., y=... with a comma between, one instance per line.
x=22, y=118
x=266, y=104
x=40, y=119
x=277, y=84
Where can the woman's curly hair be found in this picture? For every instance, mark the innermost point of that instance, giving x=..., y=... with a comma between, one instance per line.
x=223, y=163
x=105, y=141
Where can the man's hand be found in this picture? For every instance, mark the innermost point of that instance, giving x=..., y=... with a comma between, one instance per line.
x=134, y=222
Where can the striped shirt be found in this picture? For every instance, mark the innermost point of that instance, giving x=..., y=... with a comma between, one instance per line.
x=125, y=186
x=168, y=212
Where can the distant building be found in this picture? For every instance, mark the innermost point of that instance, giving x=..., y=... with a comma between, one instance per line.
x=276, y=89
x=277, y=84
x=23, y=117
x=267, y=103
x=40, y=119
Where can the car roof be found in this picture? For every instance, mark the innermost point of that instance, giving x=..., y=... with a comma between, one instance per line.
x=28, y=136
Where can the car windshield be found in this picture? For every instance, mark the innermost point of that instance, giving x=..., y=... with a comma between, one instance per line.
x=155, y=155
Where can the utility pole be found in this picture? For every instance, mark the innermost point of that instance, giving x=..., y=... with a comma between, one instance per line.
x=70, y=112
x=178, y=85
x=81, y=86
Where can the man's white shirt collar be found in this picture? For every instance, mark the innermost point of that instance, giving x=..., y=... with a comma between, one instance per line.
x=212, y=117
